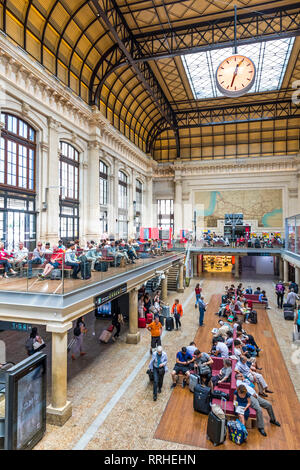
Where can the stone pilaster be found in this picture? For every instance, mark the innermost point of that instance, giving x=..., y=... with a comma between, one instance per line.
x=133, y=337
x=52, y=190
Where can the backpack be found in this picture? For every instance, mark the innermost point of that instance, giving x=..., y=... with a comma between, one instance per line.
x=56, y=274
x=29, y=344
x=280, y=288
x=77, y=331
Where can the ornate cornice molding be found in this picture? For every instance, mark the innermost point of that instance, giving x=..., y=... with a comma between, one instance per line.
x=243, y=166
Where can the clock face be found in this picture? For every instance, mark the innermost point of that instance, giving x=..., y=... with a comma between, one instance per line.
x=235, y=75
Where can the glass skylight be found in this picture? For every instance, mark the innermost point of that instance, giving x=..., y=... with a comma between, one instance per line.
x=270, y=59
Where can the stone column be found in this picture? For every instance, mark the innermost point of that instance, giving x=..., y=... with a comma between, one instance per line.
x=280, y=268
x=92, y=205
x=195, y=270
x=178, y=208
x=285, y=271
x=164, y=287
x=199, y=263
x=297, y=275
x=52, y=190
x=181, y=283
x=237, y=264
x=133, y=337
x=60, y=409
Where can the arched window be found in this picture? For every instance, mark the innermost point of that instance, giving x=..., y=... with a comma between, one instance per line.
x=17, y=182
x=69, y=191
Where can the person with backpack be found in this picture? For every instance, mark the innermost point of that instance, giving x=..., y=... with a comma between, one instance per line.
x=79, y=331
x=279, y=290
x=34, y=343
x=177, y=311
x=158, y=365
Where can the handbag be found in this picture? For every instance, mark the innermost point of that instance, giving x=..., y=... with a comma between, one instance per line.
x=36, y=345
x=204, y=370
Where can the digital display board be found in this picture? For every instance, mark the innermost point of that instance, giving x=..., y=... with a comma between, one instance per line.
x=110, y=295
x=15, y=326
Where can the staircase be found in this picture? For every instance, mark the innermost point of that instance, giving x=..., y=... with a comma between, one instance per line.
x=173, y=278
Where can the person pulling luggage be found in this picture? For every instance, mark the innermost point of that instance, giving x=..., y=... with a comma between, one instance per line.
x=158, y=365
x=155, y=328
x=177, y=311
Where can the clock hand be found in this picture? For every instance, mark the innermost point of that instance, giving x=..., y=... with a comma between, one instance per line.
x=236, y=71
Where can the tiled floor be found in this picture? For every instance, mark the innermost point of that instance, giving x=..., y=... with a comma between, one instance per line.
x=133, y=420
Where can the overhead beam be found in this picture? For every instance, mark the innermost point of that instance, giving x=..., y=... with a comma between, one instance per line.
x=213, y=116
x=116, y=24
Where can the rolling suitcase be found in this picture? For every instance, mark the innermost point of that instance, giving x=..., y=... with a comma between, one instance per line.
x=166, y=311
x=253, y=317
x=202, y=396
x=162, y=320
x=288, y=313
x=216, y=427
x=149, y=318
x=142, y=323
x=85, y=268
x=194, y=380
x=169, y=323
x=105, y=336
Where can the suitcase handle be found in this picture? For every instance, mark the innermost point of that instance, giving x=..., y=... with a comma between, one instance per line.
x=224, y=400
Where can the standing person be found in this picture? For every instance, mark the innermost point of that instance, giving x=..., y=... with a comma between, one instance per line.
x=158, y=365
x=198, y=291
x=177, y=311
x=292, y=297
x=34, y=343
x=79, y=331
x=116, y=320
x=294, y=286
x=279, y=290
x=297, y=319
x=156, y=331
x=202, y=308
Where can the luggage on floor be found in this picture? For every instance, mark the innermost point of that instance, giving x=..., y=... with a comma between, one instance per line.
x=289, y=306
x=252, y=318
x=105, y=336
x=142, y=323
x=166, y=311
x=216, y=427
x=296, y=334
x=288, y=313
x=55, y=274
x=85, y=268
x=220, y=395
x=162, y=320
x=149, y=318
x=194, y=380
x=237, y=432
x=101, y=266
x=169, y=323
x=202, y=397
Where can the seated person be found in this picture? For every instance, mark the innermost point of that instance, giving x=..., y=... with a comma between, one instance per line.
x=192, y=348
x=93, y=255
x=219, y=348
x=237, y=350
x=251, y=374
x=202, y=359
x=183, y=360
x=242, y=403
x=257, y=292
x=224, y=374
x=263, y=299
x=229, y=339
x=54, y=263
x=72, y=260
x=4, y=261
x=20, y=256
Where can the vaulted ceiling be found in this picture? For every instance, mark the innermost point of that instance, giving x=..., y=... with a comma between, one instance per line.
x=128, y=58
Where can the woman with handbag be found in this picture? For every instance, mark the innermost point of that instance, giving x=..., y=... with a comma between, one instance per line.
x=79, y=331
x=34, y=343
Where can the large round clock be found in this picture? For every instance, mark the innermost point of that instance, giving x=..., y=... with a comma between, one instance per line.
x=235, y=75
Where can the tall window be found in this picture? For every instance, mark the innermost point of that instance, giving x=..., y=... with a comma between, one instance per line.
x=123, y=189
x=103, y=184
x=165, y=214
x=103, y=222
x=138, y=205
x=69, y=192
x=17, y=182
x=123, y=206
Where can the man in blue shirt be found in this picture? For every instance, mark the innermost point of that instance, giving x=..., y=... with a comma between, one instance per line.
x=202, y=307
x=183, y=359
